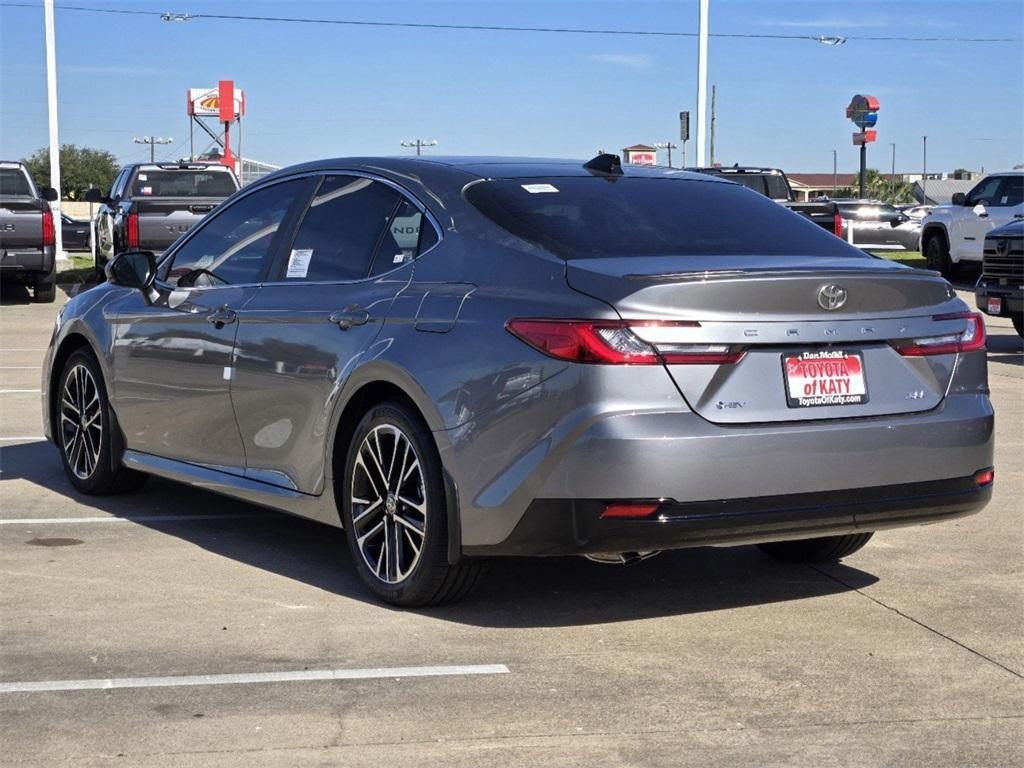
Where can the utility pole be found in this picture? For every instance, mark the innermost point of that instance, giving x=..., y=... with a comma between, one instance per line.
x=419, y=144
x=51, y=102
x=892, y=178
x=924, y=172
x=152, y=141
x=669, y=146
x=835, y=172
x=714, y=88
x=702, y=83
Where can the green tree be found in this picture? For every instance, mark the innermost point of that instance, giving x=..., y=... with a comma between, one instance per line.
x=80, y=168
x=878, y=186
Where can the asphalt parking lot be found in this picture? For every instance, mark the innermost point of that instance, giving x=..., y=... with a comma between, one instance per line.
x=910, y=652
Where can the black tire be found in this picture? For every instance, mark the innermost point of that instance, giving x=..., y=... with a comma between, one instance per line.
x=430, y=579
x=827, y=549
x=936, y=255
x=44, y=293
x=1018, y=323
x=96, y=478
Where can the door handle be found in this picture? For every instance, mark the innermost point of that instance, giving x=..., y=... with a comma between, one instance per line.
x=350, y=317
x=221, y=317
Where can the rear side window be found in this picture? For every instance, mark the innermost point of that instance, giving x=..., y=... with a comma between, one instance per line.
x=342, y=229
x=409, y=234
x=183, y=184
x=588, y=217
x=14, y=182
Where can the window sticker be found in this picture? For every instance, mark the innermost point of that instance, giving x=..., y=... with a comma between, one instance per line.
x=147, y=190
x=298, y=262
x=143, y=177
x=398, y=258
x=534, y=189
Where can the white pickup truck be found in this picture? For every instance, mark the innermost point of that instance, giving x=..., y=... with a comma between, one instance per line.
x=952, y=235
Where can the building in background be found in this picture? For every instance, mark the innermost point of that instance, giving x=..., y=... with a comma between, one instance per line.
x=640, y=154
x=254, y=169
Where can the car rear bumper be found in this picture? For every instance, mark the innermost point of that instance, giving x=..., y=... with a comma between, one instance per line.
x=769, y=480
x=561, y=527
x=37, y=260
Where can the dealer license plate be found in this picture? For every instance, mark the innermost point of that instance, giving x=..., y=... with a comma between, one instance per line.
x=995, y=306
x=826, y=377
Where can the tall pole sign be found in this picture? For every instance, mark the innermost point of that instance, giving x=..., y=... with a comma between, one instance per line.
x=863, y=111
x=684, y=132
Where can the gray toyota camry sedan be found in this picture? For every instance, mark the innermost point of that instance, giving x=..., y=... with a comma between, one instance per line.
x=461, y=358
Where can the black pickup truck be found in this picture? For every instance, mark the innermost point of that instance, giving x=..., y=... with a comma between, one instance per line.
x=151, y=204
x=27, y=236
x=771, y=182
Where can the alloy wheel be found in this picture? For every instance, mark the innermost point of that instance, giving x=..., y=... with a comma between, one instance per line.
x=81, y=421
x=389, y=503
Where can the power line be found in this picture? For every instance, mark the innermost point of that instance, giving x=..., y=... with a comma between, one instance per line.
x=828, y=39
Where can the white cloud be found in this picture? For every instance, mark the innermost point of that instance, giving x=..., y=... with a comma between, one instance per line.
x=630, y=60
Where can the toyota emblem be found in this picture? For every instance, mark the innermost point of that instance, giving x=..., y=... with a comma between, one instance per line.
x=831, y=297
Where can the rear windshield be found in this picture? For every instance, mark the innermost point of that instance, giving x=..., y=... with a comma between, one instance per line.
x=767, y=184
x=184, y=183
x=590, y=217
x=13, y=182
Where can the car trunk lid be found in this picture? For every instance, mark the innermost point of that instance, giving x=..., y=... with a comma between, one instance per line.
x=800, y=360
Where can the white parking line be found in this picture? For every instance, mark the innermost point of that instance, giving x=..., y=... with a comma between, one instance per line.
x=37, y=686
x=20, y=367
x=136, y=519
x=34, y=349
x=21, y=437
x=20, y=391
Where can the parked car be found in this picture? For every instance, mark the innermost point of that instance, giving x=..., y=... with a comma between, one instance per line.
x=877, y=225
x=773, y=183
x=954, y=235
x=1000, y=289
x=151, y=204
x=456, y=359
x=75, y=233
x=27, y=237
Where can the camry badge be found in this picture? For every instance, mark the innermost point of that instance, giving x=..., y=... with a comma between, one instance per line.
x=831, y=297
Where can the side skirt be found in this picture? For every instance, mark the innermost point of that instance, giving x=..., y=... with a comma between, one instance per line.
x=320, y=508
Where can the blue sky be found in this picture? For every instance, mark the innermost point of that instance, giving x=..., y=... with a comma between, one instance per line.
x=317, y=91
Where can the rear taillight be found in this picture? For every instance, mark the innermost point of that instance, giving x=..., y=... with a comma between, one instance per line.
x=131, y=230
x=971, y=339
x=49, y=235
x=984, y=477
x=837, y=225
x=612, y=342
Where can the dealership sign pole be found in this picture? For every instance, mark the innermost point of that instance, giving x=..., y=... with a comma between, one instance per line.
x=863, y=111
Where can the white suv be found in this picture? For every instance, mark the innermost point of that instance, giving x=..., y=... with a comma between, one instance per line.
x=954, y=234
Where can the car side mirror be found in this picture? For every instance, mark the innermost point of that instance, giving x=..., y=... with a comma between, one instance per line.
x=978, y=210
x=133, y=269
x=48, y=193
x=93, y=195
x=959, y=198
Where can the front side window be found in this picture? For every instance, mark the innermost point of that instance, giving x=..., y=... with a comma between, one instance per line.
x=986, y=193
x=1011, y=192
x=230, y=249
x=342, y=229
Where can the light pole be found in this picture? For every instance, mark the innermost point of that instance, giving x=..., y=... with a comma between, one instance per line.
x=152, y=141
x=51, y=104
x=892, y=178
x=924, y=172
x=702, y=82
x=419, y=144
x=835, y=172
x=669, y=146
